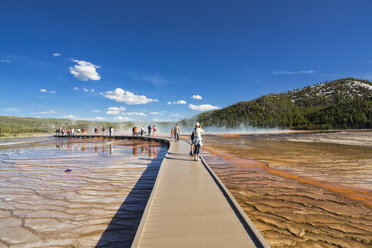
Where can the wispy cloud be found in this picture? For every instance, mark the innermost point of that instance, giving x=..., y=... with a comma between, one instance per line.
x=177, y=102
x=120, y=95
x=122, y=118
x=56, y=54
x=95, y=111
x=5, y=61
x=283, y=72
x=135, y=113
x=99, y=118
x=12, y=109
x=196, y=97
x=155, y=113
x=85, y=89
x=48, y=91
x=84, y=70
x=174, y=115
x=69, y=116
x=203, y=107
x=154, y=78
x=45, y=112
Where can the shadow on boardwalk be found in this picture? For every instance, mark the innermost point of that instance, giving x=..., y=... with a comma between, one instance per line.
x=121, y=230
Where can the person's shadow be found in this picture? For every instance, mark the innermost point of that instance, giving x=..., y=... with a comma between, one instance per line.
x=121, y=230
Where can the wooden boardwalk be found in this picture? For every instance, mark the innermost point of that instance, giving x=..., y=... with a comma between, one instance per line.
x=190, y=207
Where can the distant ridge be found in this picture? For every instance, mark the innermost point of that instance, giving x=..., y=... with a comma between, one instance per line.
x=340, y=104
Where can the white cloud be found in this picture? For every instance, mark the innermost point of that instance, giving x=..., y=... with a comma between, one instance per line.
x=122, y=118
x=174, y=115
x=43, y=90
x=121, y=108
x=76, y=88
x=85, y=89
x=196, y=97
x=84, y=70
x=155, y=113
x=4, y=61
x=45, y=112
x=52, y=92
x=280, y=72
x=69, y=116
x=203, y=107
x=128, y=97
x=115, y=110
x=95, y=111
x=178, y=102
x=56, y=54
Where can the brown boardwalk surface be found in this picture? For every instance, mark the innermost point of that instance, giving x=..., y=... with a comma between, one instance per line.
x=187, y=208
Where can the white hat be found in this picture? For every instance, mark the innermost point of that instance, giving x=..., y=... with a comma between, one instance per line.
x=197, y=124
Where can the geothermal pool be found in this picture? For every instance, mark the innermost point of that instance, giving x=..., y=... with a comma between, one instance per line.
x=298, y=194
x=98, y=203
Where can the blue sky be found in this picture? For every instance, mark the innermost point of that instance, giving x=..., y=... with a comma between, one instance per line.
x=144, y=60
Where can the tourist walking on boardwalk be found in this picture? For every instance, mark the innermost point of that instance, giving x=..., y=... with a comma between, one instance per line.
x=95, y=131
x=172, y=132
x=177, y=132
x=103, y=130
x=198, y=141
x=149, y=130
x=72, y=131
x=154, y=130
x=111, y=131
x=142, y=130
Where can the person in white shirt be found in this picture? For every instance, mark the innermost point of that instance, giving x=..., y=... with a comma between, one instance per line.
x=198, y=141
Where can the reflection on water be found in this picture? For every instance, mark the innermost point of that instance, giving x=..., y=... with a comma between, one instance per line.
x=42, y=205
x=299, y=194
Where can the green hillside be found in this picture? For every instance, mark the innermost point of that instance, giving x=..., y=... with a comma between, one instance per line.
x=340, y=104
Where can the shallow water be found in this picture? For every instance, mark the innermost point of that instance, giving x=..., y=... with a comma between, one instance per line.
x=99, y=202
x=299, y=194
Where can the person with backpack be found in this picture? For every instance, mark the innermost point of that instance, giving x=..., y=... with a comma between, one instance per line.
x=149, y=130
x=192, y=147
x=103, y=130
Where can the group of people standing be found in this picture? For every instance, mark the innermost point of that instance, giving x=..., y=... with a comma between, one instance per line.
x=142, y=132
x=71, y=131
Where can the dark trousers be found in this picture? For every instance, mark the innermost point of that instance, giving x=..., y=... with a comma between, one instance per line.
x=177, y=136
x=197, y=149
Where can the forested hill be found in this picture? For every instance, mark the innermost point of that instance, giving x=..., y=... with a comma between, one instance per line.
x=340, y=104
